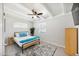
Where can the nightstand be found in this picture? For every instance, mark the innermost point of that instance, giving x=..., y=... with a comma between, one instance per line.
x=10, y=41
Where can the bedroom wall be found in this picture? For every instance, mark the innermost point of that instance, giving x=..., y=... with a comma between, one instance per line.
x=0, y=35
x=1, y=46
x=10, y=29
x=55, y=29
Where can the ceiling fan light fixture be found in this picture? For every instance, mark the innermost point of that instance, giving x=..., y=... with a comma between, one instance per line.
x=34, y=17
x=35, y=14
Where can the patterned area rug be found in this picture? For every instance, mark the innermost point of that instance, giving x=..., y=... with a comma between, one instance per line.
x=44, y=49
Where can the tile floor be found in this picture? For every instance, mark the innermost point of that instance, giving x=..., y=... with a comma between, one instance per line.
x=60, y=52
x=13, y=49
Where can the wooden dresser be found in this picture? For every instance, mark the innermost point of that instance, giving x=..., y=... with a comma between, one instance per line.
x=71, y=41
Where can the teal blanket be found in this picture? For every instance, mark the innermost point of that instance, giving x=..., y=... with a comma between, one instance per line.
x=30, y=39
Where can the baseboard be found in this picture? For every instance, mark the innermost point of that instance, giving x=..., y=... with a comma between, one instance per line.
x=54, y=44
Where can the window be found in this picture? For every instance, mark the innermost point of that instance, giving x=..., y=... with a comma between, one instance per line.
x=42, y=27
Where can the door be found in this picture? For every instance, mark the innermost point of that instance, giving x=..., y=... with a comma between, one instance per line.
x=71, y=41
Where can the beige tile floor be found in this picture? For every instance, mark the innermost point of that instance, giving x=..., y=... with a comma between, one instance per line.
x=13, y=49
x=60, y=52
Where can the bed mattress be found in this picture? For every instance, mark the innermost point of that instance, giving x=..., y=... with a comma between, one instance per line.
x=23, y=40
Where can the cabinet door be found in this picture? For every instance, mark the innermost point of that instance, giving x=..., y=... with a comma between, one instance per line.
x=71, y=39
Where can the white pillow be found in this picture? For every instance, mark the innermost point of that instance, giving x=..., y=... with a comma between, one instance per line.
x=17, y=35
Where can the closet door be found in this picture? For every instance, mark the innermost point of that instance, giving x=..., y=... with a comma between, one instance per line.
x=71, y=41
x=0, y=29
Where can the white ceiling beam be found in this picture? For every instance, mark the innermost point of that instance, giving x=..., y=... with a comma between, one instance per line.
x=20, y=6
x=48, y=12
x=17, y=7
x=8, y=10
x=63, y=10
x=16, y=14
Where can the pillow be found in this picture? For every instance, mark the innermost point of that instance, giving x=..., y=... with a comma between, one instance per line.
x=17, y=35
x=23, y=34
x=20, y=34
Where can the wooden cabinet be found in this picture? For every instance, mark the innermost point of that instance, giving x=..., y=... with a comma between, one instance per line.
x=71, y=41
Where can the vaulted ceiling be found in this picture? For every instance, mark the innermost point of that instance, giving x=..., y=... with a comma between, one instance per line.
x=48, y=9
x=58, y=8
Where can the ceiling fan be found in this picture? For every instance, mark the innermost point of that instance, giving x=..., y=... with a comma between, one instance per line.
x=35, y=13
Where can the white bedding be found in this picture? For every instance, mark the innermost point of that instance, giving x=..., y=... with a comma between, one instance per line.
x=18, y=39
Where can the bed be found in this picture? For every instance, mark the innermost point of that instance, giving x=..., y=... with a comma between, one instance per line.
x=24, y=40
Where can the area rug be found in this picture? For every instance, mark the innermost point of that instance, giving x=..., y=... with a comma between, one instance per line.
x=44, y=49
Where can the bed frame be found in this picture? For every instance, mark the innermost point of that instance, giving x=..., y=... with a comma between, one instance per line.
x=26, y=45
x=30, y=44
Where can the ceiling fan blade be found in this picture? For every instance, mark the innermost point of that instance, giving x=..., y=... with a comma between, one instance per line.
x=34, y=12
x=39, y=13
x=30, y=14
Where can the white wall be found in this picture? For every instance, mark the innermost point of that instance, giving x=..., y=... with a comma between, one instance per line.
x=1, y=50
x=0, y=26
x=55, y=33
x=0, y=35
